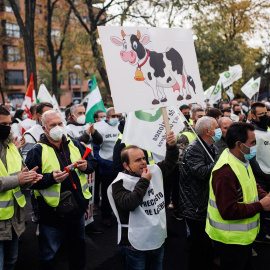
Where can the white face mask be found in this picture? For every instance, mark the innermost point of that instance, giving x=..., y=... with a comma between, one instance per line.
x=81, y=119
x=56, y=133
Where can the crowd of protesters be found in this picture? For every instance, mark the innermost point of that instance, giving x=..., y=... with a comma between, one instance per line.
x=215, y=176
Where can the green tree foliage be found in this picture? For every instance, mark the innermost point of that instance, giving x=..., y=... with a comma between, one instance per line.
x=222, y=30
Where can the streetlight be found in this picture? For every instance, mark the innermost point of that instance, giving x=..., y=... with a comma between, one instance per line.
x=79, y=67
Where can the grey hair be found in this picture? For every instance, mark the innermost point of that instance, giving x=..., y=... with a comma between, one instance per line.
x=74, y=107
x=203, y=123
x=109, y=110
x=43, y=117
x=223, y=119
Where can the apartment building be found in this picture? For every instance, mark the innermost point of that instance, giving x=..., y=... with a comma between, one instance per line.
x=13, y=77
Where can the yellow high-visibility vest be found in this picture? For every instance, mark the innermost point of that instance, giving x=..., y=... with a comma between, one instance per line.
x=50, y=163
x=242, y=231
x=14, y=165
x=190, y=135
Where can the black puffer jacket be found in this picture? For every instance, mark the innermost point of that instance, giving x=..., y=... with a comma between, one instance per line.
x=195, y=174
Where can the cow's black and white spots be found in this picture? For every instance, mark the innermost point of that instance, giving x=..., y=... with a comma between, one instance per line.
x=163, y=70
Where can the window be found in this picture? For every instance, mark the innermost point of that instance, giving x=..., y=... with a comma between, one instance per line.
x=41, y=53
x=14, y=77
x=85, y=19
x=38, y=9
x=12, y=54
x=58, y=60
x=12, y=30
x=55, y=34
x=5, y=5
x=74, y=78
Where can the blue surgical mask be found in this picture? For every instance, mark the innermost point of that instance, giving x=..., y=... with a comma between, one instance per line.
x=114, y=121
x=103, y=119
x=252, y=152
x=24, y=116
x=218, y=134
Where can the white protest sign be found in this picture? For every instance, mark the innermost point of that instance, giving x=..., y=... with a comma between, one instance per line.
x=150, y=67
x=229, y=77
x=149, y=132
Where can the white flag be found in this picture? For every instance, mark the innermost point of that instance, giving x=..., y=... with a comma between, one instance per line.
x=229, y=93
x=251, y=87
x=150, y=129
x=44, y=95
x=207, y=93
x=216, y=93
x=229, y=77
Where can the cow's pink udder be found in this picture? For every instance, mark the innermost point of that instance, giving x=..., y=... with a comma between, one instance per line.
x=184, y=81
x=176, y=87
x=128, y=56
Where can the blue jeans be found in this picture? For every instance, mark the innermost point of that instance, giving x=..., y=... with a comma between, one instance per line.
x=9, y=252
x=50, y=239
x=142, y=260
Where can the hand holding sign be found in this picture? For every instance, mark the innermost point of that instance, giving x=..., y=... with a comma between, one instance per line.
x=171, y=139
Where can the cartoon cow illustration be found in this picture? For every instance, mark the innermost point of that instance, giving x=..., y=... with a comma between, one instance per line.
x=162, y=70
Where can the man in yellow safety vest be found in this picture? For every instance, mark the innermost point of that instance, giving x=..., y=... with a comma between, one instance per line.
x=235, y=201
x=62, y=196
x=12, y=201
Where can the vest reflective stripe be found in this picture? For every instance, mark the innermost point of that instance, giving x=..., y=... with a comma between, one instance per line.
x=190, y=135
x=213, y=203
x=242, y=231
x=14, y=165
x=85, y=186
x=4, y=204
x=18, y=194
x=52, y=194
x=233, y=227
x=49, y=193
x=149, y=154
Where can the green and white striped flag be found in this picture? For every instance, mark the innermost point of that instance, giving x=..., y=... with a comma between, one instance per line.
x=95, y=102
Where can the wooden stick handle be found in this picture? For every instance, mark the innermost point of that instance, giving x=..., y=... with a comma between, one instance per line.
x=165, y=119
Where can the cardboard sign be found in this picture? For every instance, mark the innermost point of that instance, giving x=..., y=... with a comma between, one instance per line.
x=150, y=67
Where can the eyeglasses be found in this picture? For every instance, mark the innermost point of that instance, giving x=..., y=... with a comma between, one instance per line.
x=114, y=115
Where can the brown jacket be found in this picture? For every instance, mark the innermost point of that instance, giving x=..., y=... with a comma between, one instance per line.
x=6, y=183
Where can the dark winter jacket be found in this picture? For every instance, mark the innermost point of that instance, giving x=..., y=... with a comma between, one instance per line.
x=34, y=158
x=195, y=174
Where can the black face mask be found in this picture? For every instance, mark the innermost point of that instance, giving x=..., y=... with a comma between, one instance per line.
x=237, y=112
x=4, y=132
x=187, y=116
x=264, y=120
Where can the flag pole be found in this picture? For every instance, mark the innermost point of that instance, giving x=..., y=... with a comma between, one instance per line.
x=183, y=117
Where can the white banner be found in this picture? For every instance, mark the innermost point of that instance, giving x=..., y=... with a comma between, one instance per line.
x=150, y=67
x=146, y=129
x=251, y=87
x=230, y=93
x=216, y=93
x=208, y=92
x=229, y=77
